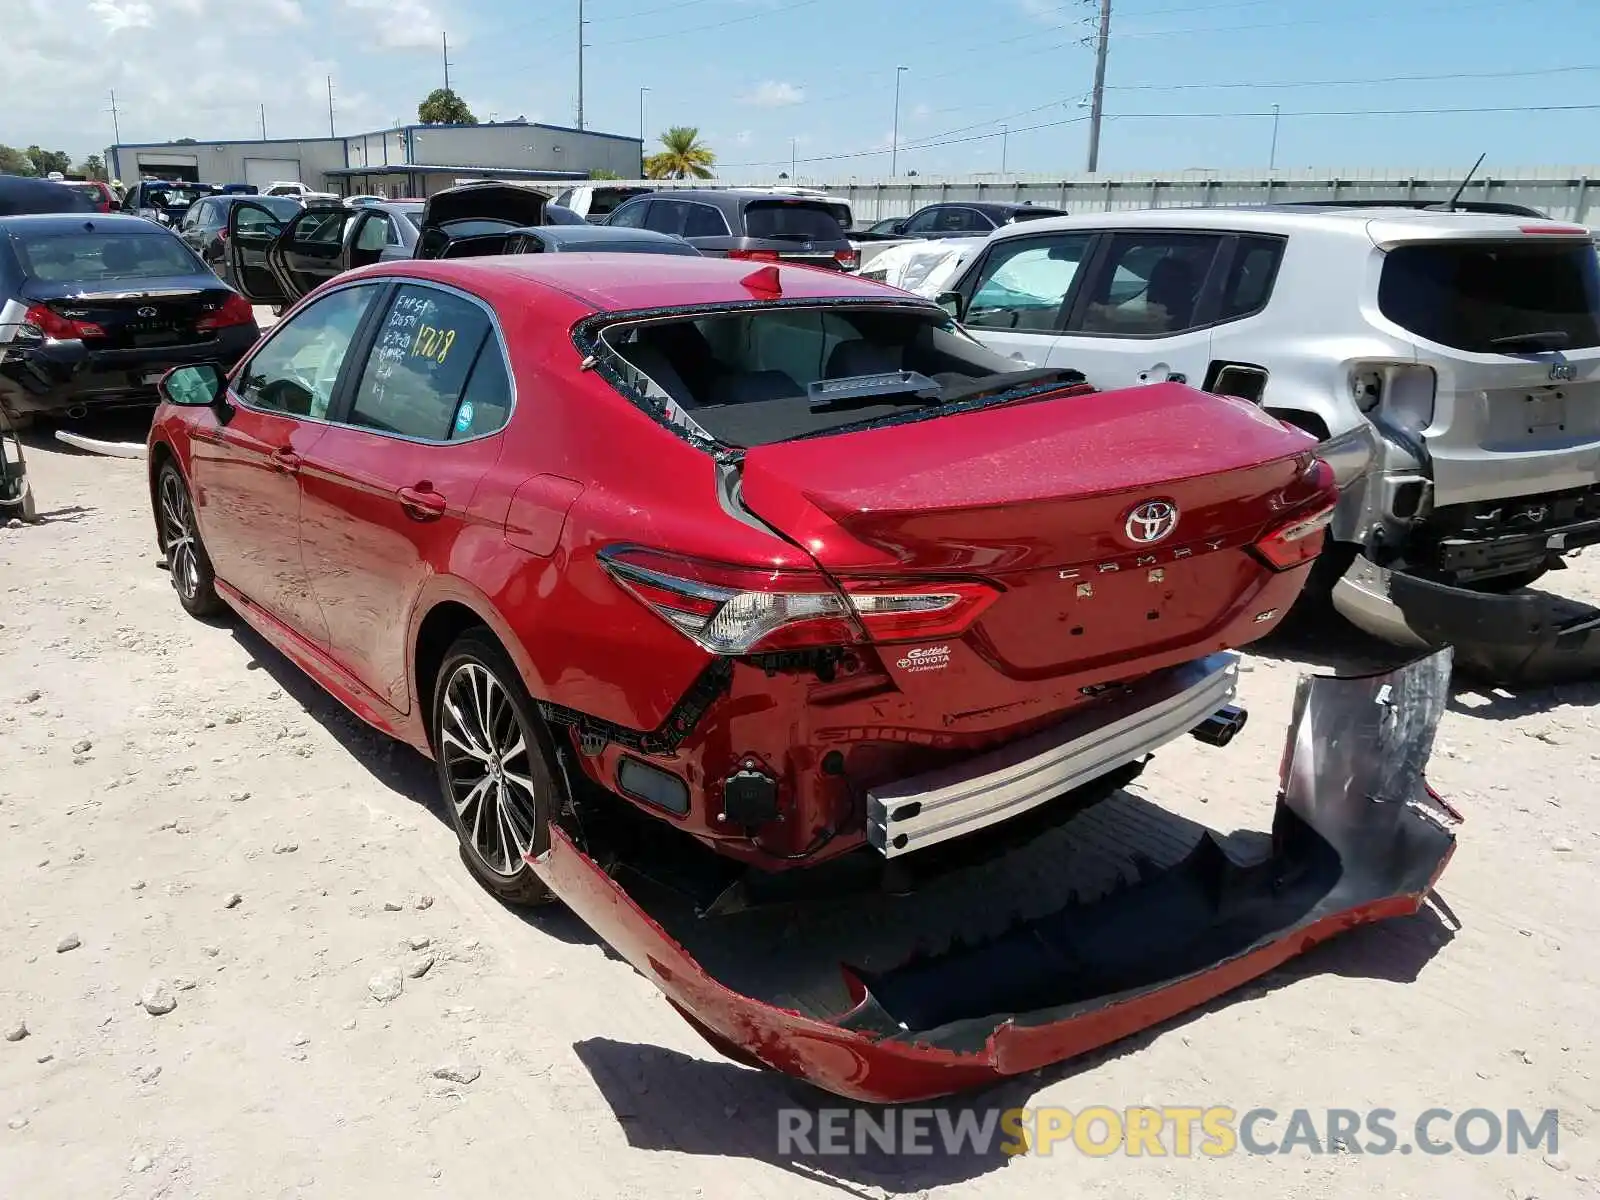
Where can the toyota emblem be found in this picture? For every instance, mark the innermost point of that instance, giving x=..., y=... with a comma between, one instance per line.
x=147, y=311
x=1151, y=522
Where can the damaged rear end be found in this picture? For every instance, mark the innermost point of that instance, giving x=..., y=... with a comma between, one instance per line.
x=1005, y=967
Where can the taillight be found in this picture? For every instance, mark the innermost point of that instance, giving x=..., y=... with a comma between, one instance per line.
x=745, y=610
x=848, y=260
x=51, y=324
x=1298, y=542
x=755, y=255
x=235, y=310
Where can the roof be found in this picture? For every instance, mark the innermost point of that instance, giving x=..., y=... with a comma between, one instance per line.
x=485, y=173
x=1378, y=223
x=568, y=235
x=735, y=198
x=605, y=283
x=21, y=194
x=80, y=222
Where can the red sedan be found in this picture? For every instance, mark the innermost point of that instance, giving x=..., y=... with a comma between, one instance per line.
x=781, y=559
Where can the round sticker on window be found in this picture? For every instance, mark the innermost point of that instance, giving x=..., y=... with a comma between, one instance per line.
x=464, y=418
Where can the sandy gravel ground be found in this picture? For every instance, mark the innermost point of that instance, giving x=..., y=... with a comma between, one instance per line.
x=187, y=820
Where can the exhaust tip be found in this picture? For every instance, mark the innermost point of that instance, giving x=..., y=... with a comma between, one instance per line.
x=1222, y=726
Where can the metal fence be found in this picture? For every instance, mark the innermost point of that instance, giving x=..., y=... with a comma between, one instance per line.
x=1562, y=192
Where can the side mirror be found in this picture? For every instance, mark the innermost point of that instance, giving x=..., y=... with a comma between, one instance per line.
x=954, y=303
x=898, y=227
x=197, y=386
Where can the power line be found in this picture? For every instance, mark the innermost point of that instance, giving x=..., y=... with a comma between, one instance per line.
x=1347, y=18
x=916, y=146
x=650, y=12
x=754, y=16
x=1346, y=82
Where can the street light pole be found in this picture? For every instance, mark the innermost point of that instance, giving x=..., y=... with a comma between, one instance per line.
x=1272, y=160
x=793, y=161
x=580, y=64
x=642, y=91
x=894, y=138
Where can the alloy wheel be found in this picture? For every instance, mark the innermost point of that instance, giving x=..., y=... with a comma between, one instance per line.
x=486, y=757
x=177, y=528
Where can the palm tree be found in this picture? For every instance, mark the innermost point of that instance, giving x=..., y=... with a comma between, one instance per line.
x=684, y=156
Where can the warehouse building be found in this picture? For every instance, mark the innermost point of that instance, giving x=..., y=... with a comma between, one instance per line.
x=413, y=160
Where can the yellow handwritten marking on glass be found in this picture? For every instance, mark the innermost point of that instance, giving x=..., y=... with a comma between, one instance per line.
x=432, y=342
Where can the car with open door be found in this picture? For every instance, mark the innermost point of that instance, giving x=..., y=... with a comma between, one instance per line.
x=278, y=262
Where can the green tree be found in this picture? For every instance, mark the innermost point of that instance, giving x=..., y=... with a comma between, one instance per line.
x=93, y=167
x=184, y=142
x=14, y=161
x=444, y=107
x=45, y=161
x=602, y=173
x=683, y=156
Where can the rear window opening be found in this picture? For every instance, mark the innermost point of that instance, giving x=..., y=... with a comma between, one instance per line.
x=792, y=221
x=750, y=377
x=92, y=257
x=1508, y=297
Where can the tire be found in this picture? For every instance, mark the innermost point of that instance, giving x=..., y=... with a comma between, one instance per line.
x=499, y=803
x=187, y=560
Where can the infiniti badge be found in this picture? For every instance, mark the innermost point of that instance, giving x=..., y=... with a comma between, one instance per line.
x=147, y=311
x=1151, y=522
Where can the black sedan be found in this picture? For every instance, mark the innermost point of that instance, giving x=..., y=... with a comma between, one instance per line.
x=94, y=310
x=204, y=227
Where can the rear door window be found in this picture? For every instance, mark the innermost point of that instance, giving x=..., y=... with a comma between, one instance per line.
x=704, y=221
x=666, y=216
x=1149, y=284
x=632, y=215
x=1492, y=297
x=416, y=380
x=1250, y=277
x=925, y=221
x=791, y=221
x=1024, y=283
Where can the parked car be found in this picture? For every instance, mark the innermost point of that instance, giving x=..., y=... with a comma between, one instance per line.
x=278, y=263
x=302, y=192
x=592, y=239
x=163, y=201
x=1449, y=362
x=204, y=226
x=777, y=567
x=753, y=225
x=594, y=202
x=93, y=313
x=99, y=194
x=22, y=194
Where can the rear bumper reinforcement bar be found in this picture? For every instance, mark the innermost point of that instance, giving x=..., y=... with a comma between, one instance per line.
x=1357, y=837
x=977, y=792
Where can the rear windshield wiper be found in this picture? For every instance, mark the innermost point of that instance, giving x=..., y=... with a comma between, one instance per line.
x=898, y=387
x=1547, y=339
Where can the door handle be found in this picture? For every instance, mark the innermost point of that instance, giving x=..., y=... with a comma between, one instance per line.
x=286, y=460
x=422, y=503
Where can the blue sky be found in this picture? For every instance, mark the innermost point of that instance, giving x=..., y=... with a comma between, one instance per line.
x=1191, y=83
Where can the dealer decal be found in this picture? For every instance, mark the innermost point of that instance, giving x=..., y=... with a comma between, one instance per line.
x=925, y=658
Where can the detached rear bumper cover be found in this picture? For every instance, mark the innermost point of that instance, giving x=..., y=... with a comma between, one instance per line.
x=1526, y=639
x=1356, y=837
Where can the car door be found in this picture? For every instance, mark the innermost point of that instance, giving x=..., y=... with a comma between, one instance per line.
x=313, y=248
x=1145, y=310
x=1019, y=293
x=245, y=464
x=251, y=231
x=924, y=223
x=372, y=235
x=388, y=490
x=631, y=215
x=192, y=229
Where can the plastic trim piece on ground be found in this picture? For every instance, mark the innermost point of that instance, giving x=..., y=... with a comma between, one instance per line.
x=1357, y=837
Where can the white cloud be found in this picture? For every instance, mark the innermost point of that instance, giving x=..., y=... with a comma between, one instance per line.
x=401, y=24
x=1050, y=12
x=774, y=93
x=123, y=14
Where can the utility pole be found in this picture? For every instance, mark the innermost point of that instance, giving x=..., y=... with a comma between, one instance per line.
x=116, y=126
x=1272, y=160
x=1005, y=138
x=642, y=91
x=263, y=122
x=445, y=39
x=1097, y=106
x=580, y=65
x=330, y=107
x=894, y=138
x=793, y=161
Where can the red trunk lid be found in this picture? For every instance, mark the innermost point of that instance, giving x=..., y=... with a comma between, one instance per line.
x=1037, y=497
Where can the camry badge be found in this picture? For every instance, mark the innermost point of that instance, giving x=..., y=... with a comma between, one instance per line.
x=1151, y=522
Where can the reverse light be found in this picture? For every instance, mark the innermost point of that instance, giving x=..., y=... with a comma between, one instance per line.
x=47, y=322
x=848, y=260
x=235, y=311
x=745, y=610
x=1298, y=542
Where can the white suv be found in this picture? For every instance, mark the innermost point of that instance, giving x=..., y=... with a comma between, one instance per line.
x=1449, y=361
